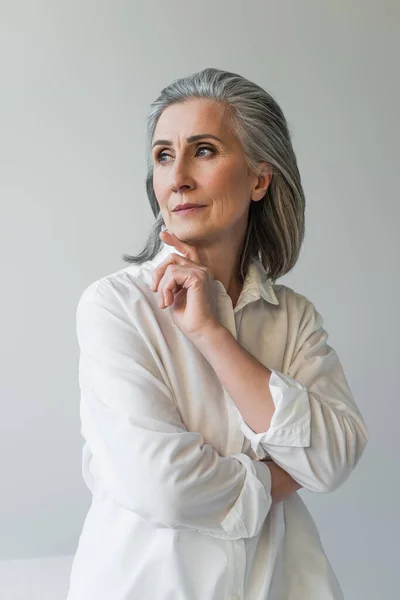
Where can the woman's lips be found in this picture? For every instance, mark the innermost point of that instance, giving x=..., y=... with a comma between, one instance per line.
x=187, y=211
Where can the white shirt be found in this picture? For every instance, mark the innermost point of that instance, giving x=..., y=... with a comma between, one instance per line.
x=181, y=504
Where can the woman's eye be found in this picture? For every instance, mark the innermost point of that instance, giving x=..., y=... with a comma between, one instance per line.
x=159, y=157
x=162, y=154
x=204, y=148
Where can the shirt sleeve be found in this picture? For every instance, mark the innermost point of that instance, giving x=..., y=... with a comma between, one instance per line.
x=147, y=460
x=317, y=433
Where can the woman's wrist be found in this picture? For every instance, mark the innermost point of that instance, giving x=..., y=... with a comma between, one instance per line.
x=282, y=484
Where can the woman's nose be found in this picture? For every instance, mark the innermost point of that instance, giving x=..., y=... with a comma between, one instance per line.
x=180, y=177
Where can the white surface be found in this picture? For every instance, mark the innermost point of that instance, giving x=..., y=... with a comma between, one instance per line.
x=35, y=578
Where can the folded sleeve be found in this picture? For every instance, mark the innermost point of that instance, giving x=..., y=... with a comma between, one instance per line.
x=145, y=457
x=317, y=433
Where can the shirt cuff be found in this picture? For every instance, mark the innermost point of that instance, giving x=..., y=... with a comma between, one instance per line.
x=291, y=422
x=247, y=515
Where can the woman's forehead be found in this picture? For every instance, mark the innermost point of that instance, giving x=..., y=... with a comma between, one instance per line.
x=193, y=117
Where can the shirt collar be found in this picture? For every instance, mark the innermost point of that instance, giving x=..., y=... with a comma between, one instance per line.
x=255, y=285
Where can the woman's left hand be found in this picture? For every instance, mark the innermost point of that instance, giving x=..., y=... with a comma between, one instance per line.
x=186, y=286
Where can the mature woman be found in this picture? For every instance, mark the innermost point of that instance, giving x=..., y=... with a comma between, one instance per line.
x=210, y=394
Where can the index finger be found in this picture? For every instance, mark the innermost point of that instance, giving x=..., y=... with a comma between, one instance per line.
x=186, y=249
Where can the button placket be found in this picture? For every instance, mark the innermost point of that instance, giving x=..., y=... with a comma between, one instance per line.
x=239, y=551
x=235, y=435
x=237, y=569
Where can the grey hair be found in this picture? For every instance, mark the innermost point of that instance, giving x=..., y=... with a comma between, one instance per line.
x=275, y=227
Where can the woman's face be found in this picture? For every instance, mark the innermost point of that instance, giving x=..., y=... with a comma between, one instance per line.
x=208, y=171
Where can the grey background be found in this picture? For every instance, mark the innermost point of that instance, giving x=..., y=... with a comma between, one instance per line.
x=76, y=81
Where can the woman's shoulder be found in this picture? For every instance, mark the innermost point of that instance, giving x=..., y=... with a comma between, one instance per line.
x=297, y=305
x=127, y=285
x=131, y=282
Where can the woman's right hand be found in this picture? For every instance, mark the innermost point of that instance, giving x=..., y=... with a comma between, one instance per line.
x=282, y=484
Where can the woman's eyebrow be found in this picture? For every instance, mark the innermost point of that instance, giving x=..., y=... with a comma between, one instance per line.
x=189, y=140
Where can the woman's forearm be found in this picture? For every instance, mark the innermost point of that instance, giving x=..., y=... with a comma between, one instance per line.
x=282, y=484
x=247, y=382
x=245, y=379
